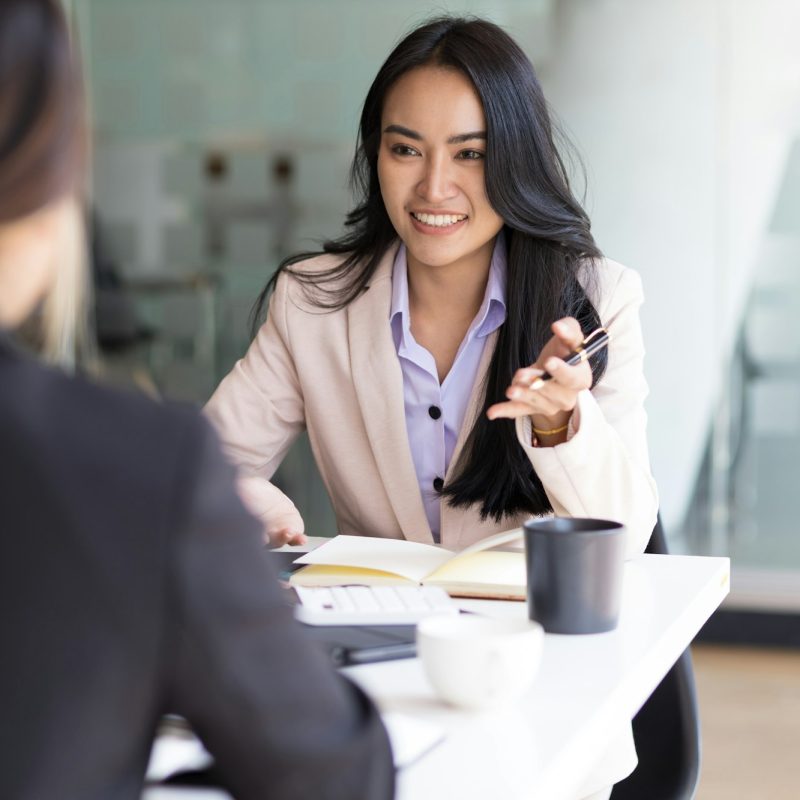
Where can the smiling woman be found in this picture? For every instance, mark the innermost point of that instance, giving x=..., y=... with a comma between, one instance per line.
x=431, y=172
x=407, y=349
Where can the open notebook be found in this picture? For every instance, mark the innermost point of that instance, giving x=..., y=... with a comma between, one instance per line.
x=477, y=571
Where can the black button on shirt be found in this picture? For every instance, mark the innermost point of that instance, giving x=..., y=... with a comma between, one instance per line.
x=435, y=412
x=438, y=484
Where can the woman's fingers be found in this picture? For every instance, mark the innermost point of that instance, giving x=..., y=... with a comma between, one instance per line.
x=576, y=378
x=523, y=408
x=547, y=401
x=510, y=410
x=556, y=395
x=567, y=335
x=284, y=536
x=568, y=331
x=526, y=376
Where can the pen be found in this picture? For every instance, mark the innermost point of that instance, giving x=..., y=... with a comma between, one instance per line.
x=596, y=340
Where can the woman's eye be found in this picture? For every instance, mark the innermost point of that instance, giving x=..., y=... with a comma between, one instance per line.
x=471, y=155
x=403, y=150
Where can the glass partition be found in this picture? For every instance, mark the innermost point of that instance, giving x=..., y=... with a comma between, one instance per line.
x=744, y=504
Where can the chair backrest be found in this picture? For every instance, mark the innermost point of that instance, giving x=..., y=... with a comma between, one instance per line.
x=666, y=730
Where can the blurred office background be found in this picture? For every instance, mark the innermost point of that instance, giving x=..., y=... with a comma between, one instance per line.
x=223, y=133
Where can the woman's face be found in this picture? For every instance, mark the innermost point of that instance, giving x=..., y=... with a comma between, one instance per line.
x=431, y=168
x=27, y=259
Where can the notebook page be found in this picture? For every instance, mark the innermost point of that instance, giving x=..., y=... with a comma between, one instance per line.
x=493, y=573
x=412, y=560
x=498, y=539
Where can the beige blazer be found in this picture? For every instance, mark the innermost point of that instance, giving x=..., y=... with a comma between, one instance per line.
x=337, y=375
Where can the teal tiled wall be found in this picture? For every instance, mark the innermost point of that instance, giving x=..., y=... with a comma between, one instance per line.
x=190, y=69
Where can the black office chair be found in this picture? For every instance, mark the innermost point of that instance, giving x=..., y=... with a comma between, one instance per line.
x=666, y=730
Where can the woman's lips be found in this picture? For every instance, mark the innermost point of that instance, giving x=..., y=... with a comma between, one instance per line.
x=444, y=228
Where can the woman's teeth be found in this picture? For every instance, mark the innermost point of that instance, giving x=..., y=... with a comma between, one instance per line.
x=439, y=220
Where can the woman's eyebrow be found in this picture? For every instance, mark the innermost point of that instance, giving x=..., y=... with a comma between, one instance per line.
x=459, y=138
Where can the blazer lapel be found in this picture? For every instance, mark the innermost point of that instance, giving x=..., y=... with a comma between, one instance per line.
x=378, y=383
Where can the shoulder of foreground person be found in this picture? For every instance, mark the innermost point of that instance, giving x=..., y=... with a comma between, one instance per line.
x=276, y=717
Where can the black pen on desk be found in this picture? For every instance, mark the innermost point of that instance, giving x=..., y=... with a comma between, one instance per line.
x=596, y=340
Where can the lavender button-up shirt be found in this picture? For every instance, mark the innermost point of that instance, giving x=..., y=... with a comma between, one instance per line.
x=434, y=411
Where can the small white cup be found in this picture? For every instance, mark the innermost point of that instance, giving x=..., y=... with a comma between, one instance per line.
x=477, y=662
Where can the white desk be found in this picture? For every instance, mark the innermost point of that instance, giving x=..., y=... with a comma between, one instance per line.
x=546, y=744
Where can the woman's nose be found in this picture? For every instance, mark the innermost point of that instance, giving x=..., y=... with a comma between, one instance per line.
x=436, y=185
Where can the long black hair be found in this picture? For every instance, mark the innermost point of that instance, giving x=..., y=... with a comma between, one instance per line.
x=547, y=235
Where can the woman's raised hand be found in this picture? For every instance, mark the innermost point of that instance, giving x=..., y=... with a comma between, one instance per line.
x=550, y=406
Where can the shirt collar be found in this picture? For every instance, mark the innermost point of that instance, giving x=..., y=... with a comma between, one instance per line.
x=491, y=314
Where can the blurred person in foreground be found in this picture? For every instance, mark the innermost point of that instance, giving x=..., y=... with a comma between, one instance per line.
x=132, y=581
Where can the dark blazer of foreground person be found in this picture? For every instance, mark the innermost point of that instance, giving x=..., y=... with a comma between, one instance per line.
x=133, y=583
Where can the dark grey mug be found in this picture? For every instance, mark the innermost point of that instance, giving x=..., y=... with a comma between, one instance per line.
x=575, y=571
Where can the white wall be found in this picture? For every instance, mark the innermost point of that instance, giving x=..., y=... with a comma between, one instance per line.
x=684, y=111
